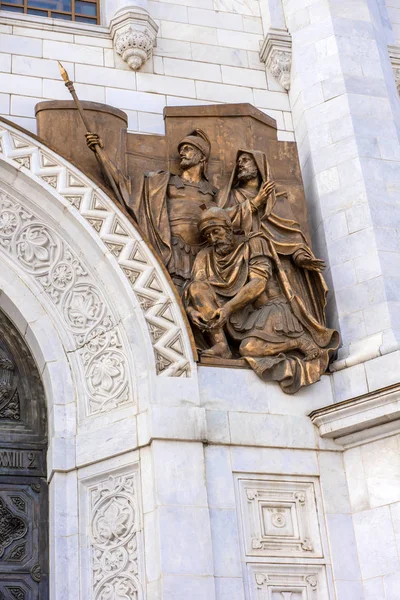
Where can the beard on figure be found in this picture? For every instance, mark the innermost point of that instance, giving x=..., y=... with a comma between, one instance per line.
x=190, y=156
x=247, y=168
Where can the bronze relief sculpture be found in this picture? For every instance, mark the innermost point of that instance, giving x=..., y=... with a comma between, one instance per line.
x=251, y=285
x=167, y=208
x=239, y=291
x=249, y=281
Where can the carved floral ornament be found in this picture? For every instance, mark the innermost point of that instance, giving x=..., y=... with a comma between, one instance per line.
x=72, y=289
x=134, y=35
x=44, y=256
x=114, y=527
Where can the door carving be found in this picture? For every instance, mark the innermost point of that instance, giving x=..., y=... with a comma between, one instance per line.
x=23, y=485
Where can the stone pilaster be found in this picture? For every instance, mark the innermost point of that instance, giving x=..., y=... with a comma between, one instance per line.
x=346, y=115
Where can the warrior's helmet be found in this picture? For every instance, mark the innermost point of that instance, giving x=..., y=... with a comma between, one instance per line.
x=213, y=217
x=199, y=139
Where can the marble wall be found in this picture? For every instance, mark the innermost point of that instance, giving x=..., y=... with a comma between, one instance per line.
x=211, y=486
x=207, y=52
x=373, y=472
x=175, y=481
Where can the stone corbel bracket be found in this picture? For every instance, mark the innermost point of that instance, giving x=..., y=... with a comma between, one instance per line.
x=134, y=35
x=276, y=53
x=394, y=53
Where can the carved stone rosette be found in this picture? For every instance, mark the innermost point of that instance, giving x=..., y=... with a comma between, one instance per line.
x=134, y=35
x=276, y=53
x=394, y=53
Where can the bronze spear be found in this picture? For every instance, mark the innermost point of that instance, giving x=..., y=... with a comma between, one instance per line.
x=100, y=152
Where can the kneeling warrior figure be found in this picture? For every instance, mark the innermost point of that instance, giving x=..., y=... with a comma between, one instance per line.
x=239, y=292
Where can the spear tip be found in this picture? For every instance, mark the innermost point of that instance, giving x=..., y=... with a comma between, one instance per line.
x=63, y=72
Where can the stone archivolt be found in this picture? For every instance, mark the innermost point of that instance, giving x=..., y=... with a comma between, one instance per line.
x=80, y=303
x=42, y=254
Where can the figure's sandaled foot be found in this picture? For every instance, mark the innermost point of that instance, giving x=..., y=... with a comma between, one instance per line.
x=219, y=350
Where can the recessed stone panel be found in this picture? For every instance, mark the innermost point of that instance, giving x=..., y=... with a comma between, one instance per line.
x=287, y=582
x=279, y=517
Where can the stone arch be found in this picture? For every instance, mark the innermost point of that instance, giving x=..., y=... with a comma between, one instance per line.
x=99, y=315
x=81, y=201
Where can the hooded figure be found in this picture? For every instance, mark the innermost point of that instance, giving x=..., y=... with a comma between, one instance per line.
x=295, y=270
x=283, y=233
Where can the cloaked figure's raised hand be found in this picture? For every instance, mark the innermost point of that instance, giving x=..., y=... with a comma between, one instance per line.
x=266, y=189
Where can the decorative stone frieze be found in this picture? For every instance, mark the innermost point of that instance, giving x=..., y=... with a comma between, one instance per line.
x=134, y=35
x=394, y=53
x=276, y=53
x=68, y=283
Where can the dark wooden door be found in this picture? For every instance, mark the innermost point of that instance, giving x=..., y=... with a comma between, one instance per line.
x=23, y=486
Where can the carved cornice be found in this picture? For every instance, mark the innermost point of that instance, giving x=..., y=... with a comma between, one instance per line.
x=276, y=53
x=361, y=419
x=394, y=53
x=134, y=35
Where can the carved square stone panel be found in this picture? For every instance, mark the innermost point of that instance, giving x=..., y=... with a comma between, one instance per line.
x=279, y=517
x=287, y=582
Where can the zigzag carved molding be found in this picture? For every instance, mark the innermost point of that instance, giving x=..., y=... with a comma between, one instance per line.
x=166, y=326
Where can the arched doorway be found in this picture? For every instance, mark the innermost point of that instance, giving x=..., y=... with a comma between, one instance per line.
x=23, y=485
